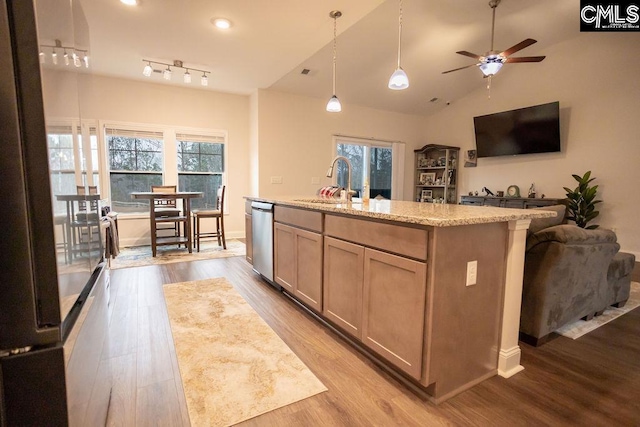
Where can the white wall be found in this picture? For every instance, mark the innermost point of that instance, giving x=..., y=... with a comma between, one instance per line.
x=112, y=99
x=595, y=78
x=295, y=139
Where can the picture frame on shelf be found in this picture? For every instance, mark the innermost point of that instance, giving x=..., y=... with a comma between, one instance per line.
x=426, y=196
x=427, y=178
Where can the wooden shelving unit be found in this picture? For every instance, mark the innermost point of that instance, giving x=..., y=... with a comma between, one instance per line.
x=436, y=173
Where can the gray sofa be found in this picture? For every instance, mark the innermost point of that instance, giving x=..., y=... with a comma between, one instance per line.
x=565, y=276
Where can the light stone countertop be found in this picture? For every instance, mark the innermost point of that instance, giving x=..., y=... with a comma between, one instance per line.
x=433, y=214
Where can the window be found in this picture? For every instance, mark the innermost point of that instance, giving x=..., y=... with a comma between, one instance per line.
x=93, y=144
x=135, y=164
x=376, y=160
x=200, y=166
x=61, y=163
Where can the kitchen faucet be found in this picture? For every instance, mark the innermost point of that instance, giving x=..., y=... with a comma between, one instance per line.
x=350, y=192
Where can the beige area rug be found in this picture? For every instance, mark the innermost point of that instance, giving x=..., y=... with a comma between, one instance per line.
x=581, y=327
x=233, y=365
x=139, y=256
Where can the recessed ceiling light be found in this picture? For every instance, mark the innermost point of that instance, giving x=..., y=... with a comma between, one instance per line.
x=129, y=2
x=221, y=23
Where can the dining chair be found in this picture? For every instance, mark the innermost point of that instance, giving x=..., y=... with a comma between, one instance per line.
x=167, y=211
x=85, y=224
x=218, y=214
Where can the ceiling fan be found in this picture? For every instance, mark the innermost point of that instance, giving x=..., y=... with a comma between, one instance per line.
x=491, y=62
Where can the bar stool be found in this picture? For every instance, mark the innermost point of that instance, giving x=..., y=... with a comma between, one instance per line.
x=166, y=211
x=218, y=214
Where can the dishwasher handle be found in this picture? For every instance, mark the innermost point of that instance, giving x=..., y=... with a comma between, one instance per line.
x=261, y=206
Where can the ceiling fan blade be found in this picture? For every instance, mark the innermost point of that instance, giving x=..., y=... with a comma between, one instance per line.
x=526, y=59
x=469, y=54
x=519, y=46
x=461, y=68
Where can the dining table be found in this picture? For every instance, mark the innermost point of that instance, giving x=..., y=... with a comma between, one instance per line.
x=186, y=197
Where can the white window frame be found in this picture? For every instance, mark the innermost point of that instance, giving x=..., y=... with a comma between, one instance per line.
x=207, y=136
x=397, y=159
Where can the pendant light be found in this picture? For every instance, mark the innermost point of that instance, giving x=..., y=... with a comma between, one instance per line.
x=333, y=106
x=399, y=79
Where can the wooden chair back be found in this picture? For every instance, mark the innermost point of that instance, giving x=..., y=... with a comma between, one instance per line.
x=164, y=203
x=81, y=190
x=220, y=199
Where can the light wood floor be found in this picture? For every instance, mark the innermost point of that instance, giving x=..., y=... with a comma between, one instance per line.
x=592, y=381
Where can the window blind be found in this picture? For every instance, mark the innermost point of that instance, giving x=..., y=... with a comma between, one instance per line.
x=192, y=137
x=132, y=133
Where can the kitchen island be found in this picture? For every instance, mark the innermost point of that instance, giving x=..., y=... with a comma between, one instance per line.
x=431, y=290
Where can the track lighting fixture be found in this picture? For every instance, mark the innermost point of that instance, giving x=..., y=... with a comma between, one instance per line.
x=333, y=106
x=74, y=58
x=167, y=73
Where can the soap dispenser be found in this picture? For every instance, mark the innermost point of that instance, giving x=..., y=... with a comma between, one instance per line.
x=365, y=191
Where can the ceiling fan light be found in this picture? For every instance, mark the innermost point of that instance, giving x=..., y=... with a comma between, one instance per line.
x=490, y=68
x=399, y=80
x=333, y=106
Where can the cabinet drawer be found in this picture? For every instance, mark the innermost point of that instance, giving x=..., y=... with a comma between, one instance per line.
x=411, y=242
x=309, y=220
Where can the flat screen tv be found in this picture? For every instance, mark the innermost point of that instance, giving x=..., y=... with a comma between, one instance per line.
x=528, y=130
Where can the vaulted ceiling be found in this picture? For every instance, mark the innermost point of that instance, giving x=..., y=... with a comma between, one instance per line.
x=272, y=41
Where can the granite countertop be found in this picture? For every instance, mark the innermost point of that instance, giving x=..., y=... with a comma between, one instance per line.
x=433, y=214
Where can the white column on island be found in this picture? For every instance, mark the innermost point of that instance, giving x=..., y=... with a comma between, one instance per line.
x=509, y=357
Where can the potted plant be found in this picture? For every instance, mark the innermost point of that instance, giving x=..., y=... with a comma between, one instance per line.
x=581, y=201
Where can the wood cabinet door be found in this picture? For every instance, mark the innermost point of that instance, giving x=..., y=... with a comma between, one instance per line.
x=284, y=255
x=342, y=290
x=308, y=284
x=394, y=303
x=248, y=237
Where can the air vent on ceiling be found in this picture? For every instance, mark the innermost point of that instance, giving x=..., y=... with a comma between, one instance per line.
x=305, y=71
x=434, y=100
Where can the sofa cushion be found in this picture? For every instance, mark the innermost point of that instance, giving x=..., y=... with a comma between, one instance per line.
x=538, y=224
x=572, y=235
x=622, y=265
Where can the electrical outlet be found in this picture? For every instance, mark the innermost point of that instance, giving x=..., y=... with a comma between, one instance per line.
x=472, y=272
x=276, y=180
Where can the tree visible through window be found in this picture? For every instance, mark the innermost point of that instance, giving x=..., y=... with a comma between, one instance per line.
x=135, y=164
x=369, y=160
x=200, y=167
x=61, y=164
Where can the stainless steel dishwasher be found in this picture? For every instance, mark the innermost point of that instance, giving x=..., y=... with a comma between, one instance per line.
x=262, y=232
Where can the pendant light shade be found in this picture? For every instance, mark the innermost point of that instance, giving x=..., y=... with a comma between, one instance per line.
x=333, y=106
x=399, y=79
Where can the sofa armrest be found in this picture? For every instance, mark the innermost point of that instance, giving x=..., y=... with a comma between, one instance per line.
x=572, y=235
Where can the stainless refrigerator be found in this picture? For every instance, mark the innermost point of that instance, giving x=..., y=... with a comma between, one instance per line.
x=53, y=310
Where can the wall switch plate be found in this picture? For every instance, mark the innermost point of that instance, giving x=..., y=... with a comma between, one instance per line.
x=276, y=180
x=315, y=180
x=472, y=272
